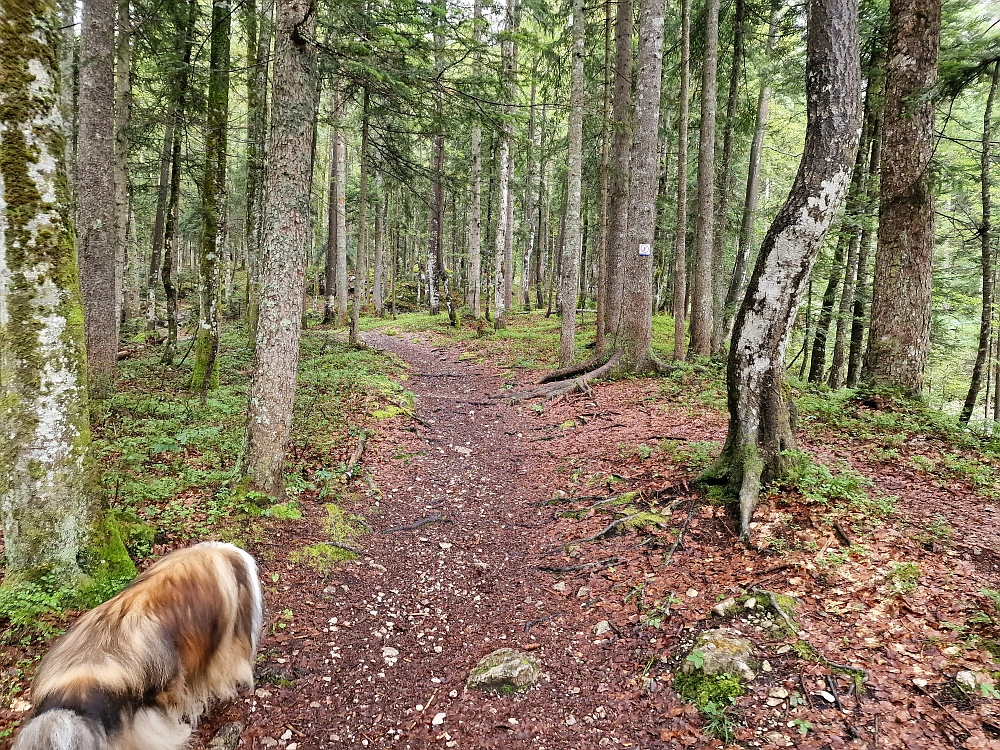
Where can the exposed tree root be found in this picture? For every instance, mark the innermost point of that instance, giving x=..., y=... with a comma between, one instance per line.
x=599, y=535
x=432, y=518
x=568, y=372
x=565, y=387
x=582, y=566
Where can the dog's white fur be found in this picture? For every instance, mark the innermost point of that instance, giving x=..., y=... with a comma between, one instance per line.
x=136, y=672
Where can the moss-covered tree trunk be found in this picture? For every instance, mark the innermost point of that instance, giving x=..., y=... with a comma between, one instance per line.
x=96, y=219
x=48, y=497
x=204, y=374
x=286, y=239
x=760, y=426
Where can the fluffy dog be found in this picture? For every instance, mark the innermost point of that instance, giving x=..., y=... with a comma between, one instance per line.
x=136, y=672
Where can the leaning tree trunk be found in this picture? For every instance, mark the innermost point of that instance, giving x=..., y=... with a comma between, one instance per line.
x=95, y=220
x=899, y=336
x=205, y=372
x=48, y=504
x=680, y=232
x=286, y=238
x=571, y=253
x=760, y=426
x=986, y=252
x=702, y=284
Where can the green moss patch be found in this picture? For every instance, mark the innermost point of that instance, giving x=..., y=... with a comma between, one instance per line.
x=323, y=557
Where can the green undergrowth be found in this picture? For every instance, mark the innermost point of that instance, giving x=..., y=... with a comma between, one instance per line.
x=713, y=697
x=167, y=461
x=892, y=425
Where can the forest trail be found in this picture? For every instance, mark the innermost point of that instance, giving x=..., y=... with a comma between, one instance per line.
x=371, y=654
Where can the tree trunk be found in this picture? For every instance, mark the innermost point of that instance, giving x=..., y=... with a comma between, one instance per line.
x=899, y=336
x=503, y=196
x=529, y=207
x=680, y=232
x=760, y=426
x=286, y=233
x=361, y=258
x=330, y=258
x=96, y=224
x=123, y=114
x=259, y=29
x=159, y=223
x=68, y=88
x=571, y=253
x=475, y=179
x=600, y=340
x=378, y=304
x=342, y=282
x=702, y=284
x=986, y=251
x=719, y=288
x=49, y=508
x=621, y=154
x=739, y=277
x=817, y=362
x=861, y=293
x=635, y=331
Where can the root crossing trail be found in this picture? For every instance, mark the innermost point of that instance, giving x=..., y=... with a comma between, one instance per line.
x=378, y=652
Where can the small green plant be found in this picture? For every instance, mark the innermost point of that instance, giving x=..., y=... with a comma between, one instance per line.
x=903, y=577
x=697, y=658
x=712, y=696
x=802, y=725
x=694, y=455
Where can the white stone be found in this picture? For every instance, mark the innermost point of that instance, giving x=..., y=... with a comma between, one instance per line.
x=438, y=719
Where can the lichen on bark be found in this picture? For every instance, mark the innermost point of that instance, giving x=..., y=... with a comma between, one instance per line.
x=49, y=501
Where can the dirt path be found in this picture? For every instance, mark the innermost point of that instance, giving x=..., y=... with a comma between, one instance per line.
x=370, y=656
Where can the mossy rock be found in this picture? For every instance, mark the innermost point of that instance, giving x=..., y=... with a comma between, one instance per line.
x=722, y=651
x=506, y=671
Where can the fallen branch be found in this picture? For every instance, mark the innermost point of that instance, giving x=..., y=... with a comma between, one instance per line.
x=842, y=533
x=567, y=372
x=348, y=547
x=356, y=456
x=432, y=518
x=583, y=566
x=607, y=530
x=792, y=627
x=680, y=536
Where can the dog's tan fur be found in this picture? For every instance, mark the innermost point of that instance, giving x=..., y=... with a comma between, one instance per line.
x=136, y=672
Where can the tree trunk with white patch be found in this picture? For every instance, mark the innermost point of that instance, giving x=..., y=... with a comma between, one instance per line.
x=48, y=500
x=570, y=286
x=899, y=336
x=760, y=423
x=286, y=237
x=96, y=227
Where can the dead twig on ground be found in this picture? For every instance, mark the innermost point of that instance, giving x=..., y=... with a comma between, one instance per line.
x=680, y=536
x=582, y=566
x=356, y=456
x=432, y=518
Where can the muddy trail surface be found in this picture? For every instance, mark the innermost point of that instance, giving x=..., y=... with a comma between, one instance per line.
x=376, y=653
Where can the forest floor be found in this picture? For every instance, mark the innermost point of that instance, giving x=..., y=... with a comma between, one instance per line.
x=477, y=525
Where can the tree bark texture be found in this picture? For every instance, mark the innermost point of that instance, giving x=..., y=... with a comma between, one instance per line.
x=529, y=206
x=96, y=225
x=600, y=340
x=760, y=427
x=702, y=285
x=621, y=154
x=259, y=32
x=899, y=335
x=205, y=371
x=985, y=251
x=330, y=257
x=680, y=231
x=574, y=173
x=47, y=494
x=286, y=238
x=635, y=324
x=123, y=188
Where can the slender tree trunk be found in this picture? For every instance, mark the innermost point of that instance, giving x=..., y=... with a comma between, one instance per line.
x=600, y=340
x=49, y=507
x=476, y=187
x=529, y=207
x=378, y=304
x=986, y=251
x=541, y=256
x=719, y=288
x=899, y=336
x=204, y=373
x=860, y=205
x=259, y=31
x=342, y=285
x=330, y=262
x=680, y=232
x=760, y=427
x=621, y=154
x=817, y=362
x=159, y=223
x=123, y=114
x=361, y=260
x=286, y=232
x=702, y=299
x=738, y=280
x=97, y=231
x=862, y=292
x=571, y=252
x=171, y=253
